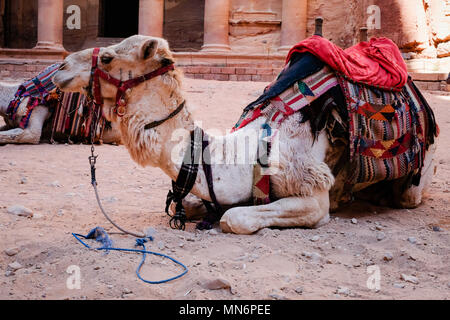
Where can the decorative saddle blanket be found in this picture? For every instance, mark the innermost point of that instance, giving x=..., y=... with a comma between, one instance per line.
x=388, y=132
x=71, y=113
x=38, y=90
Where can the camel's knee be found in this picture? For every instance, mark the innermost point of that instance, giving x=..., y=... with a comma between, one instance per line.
x=193, y=206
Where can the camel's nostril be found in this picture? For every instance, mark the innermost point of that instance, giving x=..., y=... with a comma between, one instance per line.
x=63, y=66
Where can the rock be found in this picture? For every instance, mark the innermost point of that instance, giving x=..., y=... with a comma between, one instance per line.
x=12, y=251
x=216, y=284
x=23, y=180
x=266, y=232
x=343, y=290
x=15, y=266
x=212, y=264
x=388, y=256
x=9, y=273
x=277, y=296
x=110, y=199
x=213, y=232
x=399, y=285
x=253, y=257
x=354, y=221
x=380, y=236
x=412, y=240
x=126, y=291
x=161, y=245
x=315, y=239
x=299, y=290
x=20, y=211
x=313, y=256
x=55, y=184
x=437, y=228
x=408, y=278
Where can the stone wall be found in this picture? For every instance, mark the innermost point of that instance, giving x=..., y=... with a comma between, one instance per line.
x=183, y=24
x=419, y=27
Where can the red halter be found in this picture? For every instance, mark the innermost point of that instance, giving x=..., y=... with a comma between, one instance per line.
x=122, y=86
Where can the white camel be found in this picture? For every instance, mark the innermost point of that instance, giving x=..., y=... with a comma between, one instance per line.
x=302, y=180
x=32, y=134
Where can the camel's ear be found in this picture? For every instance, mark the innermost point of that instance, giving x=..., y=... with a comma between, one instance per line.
x=148, y=49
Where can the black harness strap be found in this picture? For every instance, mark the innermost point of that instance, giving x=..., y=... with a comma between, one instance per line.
x=170, y=116
x=214, y=212
x=186, y=180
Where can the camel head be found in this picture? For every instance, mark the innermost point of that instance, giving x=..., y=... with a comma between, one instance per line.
x=133, y=57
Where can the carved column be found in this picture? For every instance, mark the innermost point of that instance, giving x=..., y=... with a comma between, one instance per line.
x=151, y=17
x=293, y=23
x=50, y=24
x=216, y=30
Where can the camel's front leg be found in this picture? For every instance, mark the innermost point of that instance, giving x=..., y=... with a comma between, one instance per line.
x=32, y=134
x=309, y=212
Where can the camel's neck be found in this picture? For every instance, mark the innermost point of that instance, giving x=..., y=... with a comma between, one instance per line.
x=165, y=145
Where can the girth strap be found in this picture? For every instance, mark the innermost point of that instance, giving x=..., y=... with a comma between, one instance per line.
x=214, y=212
x=186, y=180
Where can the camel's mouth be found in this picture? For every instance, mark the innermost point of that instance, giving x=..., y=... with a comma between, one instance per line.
x=61, y=82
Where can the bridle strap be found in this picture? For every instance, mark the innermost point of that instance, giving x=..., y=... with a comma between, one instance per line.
x=170, y=116
x=122, y=86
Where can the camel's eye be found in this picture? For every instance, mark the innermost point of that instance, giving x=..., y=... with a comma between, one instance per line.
x=106, y=59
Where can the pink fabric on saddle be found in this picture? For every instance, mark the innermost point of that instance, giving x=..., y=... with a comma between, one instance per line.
x=377, y=62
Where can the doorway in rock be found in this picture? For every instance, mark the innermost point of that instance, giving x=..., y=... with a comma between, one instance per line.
x=184, y=24
x=118, y=19
x=18, y=23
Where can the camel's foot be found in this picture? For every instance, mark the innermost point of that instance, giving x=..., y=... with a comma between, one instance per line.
x=193, y=206
x=288, y=212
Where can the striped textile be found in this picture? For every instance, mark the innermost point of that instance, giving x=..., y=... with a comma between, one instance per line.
x=73, y=117
x=37, y=90
x=71, y=114
x=293, y=99
x=388, y=132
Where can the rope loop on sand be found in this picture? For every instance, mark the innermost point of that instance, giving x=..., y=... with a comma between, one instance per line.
x=100, y=235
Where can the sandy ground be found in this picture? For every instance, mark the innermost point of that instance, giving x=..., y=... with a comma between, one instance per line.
x=333, y=262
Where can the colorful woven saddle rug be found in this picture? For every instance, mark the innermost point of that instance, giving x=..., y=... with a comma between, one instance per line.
x=387, y=132
x=72, y=116
x=37, y=90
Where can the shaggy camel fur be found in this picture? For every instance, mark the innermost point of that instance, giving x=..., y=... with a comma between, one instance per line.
x=301, y=179
x=12, y=133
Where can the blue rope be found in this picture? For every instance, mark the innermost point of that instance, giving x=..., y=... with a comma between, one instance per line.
x=139, y=243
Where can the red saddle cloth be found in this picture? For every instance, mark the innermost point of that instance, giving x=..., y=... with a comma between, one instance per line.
x=376, y=63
